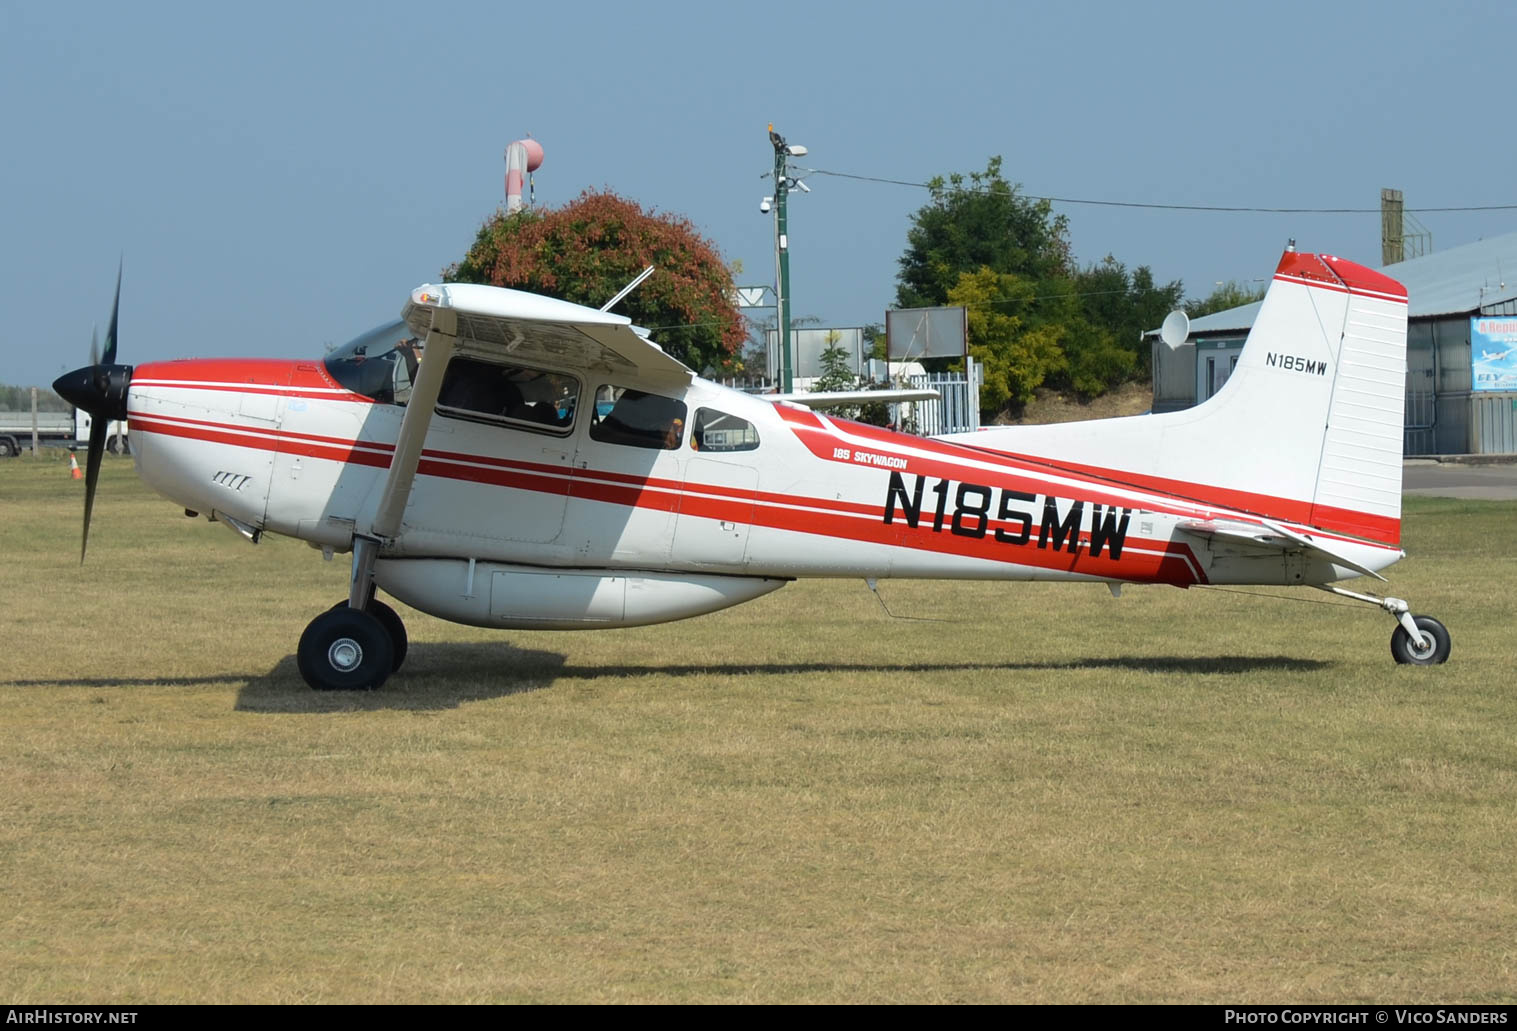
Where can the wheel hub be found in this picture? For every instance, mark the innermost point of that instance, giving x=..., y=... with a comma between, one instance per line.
x=345, y=654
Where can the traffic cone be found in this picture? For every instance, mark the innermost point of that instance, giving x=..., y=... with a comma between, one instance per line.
x=73, y=467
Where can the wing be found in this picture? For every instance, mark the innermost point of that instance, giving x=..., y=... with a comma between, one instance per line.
x=833, y=398
x=494, y=321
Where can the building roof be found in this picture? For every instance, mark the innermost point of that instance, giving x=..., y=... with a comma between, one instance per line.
x=1461, y=280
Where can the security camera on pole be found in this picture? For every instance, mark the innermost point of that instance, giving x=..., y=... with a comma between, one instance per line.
x=782, y=184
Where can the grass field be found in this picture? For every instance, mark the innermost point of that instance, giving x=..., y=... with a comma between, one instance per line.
x=1049, y=796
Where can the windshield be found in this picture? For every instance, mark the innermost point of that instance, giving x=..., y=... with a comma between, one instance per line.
x=380, y=364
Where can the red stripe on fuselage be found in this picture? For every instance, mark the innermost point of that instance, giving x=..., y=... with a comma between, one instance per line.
x=277, y=376
x=1099, y=484
x=1143, y=560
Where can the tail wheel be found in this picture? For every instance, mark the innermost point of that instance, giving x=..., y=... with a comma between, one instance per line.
x=1436, y=649
x=345, y=650
x=390, y=620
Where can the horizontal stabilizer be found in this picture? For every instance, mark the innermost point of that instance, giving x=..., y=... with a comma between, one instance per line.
x=1271, y=536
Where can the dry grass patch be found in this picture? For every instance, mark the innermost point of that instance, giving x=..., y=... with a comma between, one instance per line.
x=1050, y=796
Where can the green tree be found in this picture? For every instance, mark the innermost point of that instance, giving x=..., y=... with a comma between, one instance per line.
x=1120, y=306
x=836, y=375
x=589, y=249
x=1016, y=353
x=981, y=223
x=1231, y=294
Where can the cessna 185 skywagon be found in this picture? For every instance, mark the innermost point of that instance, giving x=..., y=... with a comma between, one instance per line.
x=508, y=460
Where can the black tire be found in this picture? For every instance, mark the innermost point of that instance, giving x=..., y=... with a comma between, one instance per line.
x=1405, y=651
x=117, y=445
x=390, y=620
x=345, y=650
x=8, y=447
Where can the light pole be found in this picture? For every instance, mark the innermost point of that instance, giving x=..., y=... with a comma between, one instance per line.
x=782, y=184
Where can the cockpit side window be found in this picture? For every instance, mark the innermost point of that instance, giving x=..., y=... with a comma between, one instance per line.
x=719, y=431
x=637, y=419
x=532, y=399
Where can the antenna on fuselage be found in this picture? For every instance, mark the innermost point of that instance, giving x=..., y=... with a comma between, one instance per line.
x=644, y=274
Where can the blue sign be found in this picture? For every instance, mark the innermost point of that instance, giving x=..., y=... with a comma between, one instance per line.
x=1493, y=353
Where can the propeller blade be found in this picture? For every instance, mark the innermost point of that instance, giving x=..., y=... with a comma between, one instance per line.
x=95, y=345
x=98, y=430
x=100, y=389
x=109, y=357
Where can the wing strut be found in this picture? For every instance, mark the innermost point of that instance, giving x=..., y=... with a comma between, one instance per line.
x=442, y=336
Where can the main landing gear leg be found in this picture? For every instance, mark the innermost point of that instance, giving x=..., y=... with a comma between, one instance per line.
x=356, y=644
x=1418, y=640
x=361, y=584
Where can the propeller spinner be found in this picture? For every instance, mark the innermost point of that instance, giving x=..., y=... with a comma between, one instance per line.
x=99, y=389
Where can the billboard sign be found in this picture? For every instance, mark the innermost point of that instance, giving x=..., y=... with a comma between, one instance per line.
x=808, y=345
x=1493, y=353
x=912, y=334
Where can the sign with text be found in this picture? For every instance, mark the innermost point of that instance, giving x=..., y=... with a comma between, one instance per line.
x=1493, y=353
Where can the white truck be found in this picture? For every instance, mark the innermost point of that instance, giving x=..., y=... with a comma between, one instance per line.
x=62, y=429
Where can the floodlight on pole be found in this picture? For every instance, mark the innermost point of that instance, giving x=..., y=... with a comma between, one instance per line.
x=782, y=184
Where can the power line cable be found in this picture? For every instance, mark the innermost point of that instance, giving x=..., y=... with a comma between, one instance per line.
x=1169, y=207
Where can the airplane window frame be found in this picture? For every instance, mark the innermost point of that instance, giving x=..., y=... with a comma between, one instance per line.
x=482, y=416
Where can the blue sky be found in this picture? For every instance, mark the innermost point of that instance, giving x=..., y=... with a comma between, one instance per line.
x=279, y=176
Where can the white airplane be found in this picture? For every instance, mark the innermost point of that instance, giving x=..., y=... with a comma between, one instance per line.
x=1494, y=356
x=507, y=460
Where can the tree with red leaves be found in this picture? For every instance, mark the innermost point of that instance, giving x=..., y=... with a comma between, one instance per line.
x=592, y=247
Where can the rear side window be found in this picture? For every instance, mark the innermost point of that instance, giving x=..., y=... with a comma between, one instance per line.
x=637, y=419
x=718, y=431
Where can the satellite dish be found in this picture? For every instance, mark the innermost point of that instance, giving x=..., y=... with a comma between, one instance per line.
x=1175, y=329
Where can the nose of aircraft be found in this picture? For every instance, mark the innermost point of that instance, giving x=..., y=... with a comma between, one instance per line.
x=98, y=389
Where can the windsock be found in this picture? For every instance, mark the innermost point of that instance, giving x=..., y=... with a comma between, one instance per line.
x=522, y=157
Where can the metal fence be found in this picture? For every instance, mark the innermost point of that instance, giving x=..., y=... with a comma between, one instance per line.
x=958, y=408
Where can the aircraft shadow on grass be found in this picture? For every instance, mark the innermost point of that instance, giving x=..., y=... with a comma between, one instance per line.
x=443, y=676
x=436, y=676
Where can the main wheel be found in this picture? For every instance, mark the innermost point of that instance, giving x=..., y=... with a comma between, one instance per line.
x=390, y=620
x=345, y=650
x=117, y=445
x=1405, y=650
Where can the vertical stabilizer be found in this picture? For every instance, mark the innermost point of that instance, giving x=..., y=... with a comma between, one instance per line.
x=1307, y=429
